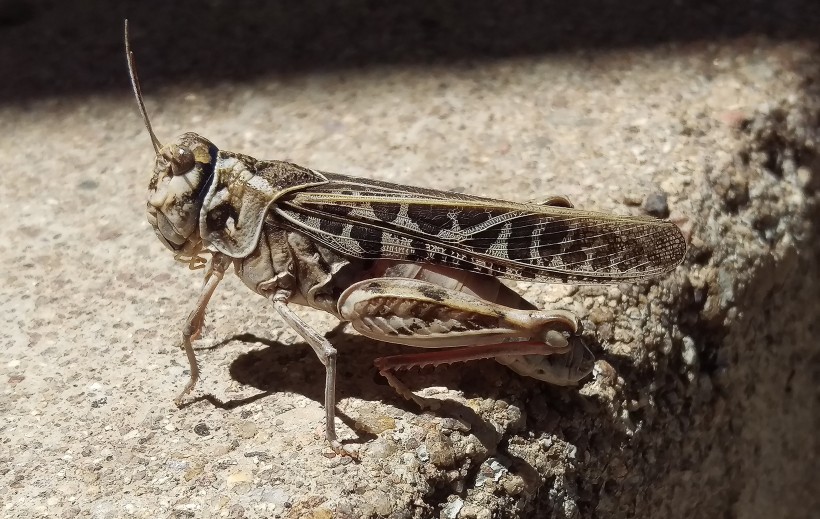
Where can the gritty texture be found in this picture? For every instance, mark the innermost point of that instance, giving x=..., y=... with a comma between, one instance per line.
x=703, y=401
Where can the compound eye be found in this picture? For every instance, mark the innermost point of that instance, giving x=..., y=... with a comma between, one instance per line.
x=181, y=159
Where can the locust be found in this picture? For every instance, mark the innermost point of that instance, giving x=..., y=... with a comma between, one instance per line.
x=400, y=264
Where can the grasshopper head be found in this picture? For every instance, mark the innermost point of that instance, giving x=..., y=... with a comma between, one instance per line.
x=182, y=173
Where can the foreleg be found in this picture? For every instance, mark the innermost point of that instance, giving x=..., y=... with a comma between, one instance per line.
x=195, y=320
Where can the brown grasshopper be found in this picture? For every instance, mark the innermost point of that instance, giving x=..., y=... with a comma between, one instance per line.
x=401, y=264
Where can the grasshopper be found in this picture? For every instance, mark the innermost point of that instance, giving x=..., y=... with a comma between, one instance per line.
x=400, y=264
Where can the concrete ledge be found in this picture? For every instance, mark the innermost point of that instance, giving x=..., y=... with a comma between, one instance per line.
x=703, y=402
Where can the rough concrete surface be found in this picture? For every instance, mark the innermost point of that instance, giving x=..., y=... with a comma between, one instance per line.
x=704, y=400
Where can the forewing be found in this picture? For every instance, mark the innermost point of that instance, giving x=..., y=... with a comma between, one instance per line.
x=369, y=219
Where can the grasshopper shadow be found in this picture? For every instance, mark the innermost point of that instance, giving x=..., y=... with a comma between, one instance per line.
x=295, y=368
x=546, y=410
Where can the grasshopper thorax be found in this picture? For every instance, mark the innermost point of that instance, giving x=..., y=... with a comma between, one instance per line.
x=183, y=171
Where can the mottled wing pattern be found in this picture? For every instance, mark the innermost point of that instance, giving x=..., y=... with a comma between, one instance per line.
x=369, y=219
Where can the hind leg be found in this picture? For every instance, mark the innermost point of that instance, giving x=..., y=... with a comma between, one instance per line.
x=425, y=315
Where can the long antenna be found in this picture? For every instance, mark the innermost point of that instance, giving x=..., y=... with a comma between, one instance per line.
x=135, y=84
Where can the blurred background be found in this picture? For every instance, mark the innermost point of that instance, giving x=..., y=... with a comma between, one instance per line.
x=52, y=48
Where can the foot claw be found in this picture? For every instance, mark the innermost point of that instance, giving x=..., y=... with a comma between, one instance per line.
x=344, y=450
